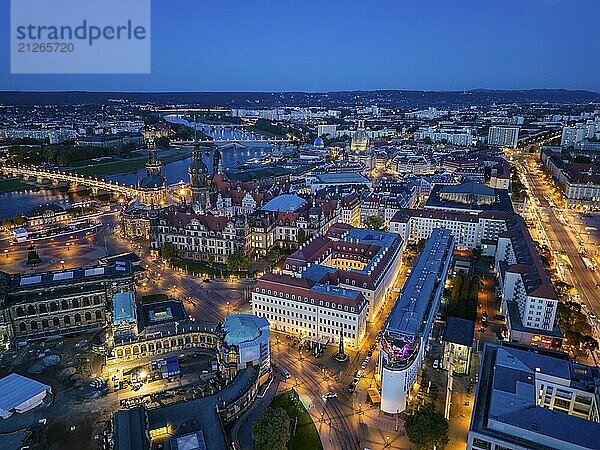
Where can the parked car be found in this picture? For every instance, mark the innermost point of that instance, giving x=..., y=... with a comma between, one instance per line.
x=329, y=395
x=436, y=364
x=285, y=374
x=358, y=374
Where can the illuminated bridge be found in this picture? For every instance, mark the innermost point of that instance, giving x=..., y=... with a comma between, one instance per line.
x=39, y=174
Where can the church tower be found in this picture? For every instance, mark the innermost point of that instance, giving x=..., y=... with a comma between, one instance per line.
x=198, y=173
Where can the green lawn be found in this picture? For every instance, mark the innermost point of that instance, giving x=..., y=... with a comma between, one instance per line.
x=13, y=185
x=126, y=165
x=307, y=436
x=197, y=267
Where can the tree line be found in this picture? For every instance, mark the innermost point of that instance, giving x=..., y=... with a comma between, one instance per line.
x=464, y=297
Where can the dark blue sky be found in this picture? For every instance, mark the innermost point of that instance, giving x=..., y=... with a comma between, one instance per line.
x=326, y=45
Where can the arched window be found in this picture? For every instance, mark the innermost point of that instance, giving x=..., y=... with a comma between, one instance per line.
x=77, y=318
x=86, y=301
x=88, y=316
x=20, y=311
x=67, y=320
x=45, y=323
x=64, y=304
x=53, y=306
x=30, y=310
x=96, y=299
x=55, y=322
x=22, y=326
x=98, y=315
x=34, y=325
x=75, y=303
x=42, y=308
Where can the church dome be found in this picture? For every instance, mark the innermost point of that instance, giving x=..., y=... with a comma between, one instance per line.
x=197, y=166
x=319, y=143
x=152, y=181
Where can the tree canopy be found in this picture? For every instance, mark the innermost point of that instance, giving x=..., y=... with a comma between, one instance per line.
x=427, y=428
x=168, y=252
x=237, y=262
x=272, y=430
x=375, y=223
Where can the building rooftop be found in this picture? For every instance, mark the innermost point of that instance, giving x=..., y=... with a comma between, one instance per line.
x=507, y=400
x=459, y=331
x=409, y=312
x=123, y=308
x=240, y=328
x=341, y=178
x=201, y=414
x=284, y=203
x=16, y=389
x=439, y=198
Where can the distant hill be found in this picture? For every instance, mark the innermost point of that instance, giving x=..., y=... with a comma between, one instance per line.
x=407, y=99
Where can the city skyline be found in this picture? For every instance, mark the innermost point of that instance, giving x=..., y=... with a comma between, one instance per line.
x=269, y=47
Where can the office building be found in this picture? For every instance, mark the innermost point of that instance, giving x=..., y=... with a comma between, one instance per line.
x=406, y=332
x=530, y=398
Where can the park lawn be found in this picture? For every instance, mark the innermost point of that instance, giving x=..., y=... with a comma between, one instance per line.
x=197, y=267
x=307, y=436
x=127, y=165
x=13, y=185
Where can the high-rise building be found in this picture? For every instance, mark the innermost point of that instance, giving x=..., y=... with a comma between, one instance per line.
x=503, y=136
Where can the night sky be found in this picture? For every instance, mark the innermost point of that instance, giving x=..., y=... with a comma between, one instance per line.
x=330, y=45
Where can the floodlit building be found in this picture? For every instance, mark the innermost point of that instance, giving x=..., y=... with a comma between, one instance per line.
x=406, y=332
x=246, y=342
x=360, y=139
x=532, y=398
x=59, y=302
x=19, y=394
x=352, y=258
x=529, y=300
x=469, y=230
x=311, y=309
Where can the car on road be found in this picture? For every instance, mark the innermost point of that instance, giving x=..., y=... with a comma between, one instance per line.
x=436, y=364
x=363, y=365
x=358, y=374
x=285, y=374
x=329, y=395
x=591, y=315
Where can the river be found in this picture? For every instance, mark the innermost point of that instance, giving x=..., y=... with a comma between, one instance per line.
x=21, y=202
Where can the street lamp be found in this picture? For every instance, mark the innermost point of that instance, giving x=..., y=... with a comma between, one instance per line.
x=6, y=252
x=62, y=261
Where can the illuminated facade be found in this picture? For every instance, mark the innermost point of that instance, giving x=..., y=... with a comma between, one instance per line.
x=360, y=140
x=406, y=332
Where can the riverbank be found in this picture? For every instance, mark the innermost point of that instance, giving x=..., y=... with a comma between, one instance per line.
x=131, y=164
x=13, y=185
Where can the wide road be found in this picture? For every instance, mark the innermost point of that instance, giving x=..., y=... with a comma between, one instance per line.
x=561, y=232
